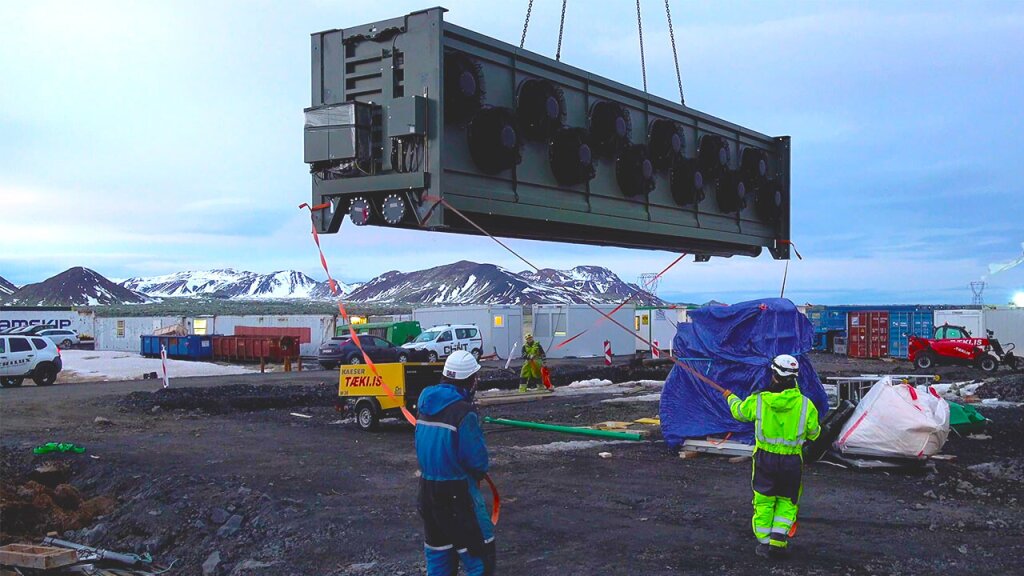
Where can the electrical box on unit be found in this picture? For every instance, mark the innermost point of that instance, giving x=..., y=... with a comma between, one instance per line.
x=419, y=109
x=407, y=116
x=339, y=138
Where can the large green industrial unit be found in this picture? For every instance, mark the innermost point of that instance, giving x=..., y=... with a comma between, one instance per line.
x=397, y=333
x=411, y=110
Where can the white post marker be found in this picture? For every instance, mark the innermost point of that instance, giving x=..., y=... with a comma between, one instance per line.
x=511, y=350
x=655, y=349
x=163, y=364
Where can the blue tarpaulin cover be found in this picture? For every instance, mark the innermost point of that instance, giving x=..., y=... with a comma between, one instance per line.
x=733, y=346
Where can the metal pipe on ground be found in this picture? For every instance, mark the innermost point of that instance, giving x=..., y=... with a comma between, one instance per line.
x=566, y=429
x=101, y=554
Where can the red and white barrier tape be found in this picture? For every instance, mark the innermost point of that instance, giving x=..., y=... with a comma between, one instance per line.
x=495, y=497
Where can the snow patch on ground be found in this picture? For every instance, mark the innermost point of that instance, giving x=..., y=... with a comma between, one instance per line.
x=568, y=446
x=996, y=403
x=595, y=386
x=105, y=365
x=589, y=383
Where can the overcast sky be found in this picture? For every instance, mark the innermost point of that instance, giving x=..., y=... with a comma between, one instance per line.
x=143, y=138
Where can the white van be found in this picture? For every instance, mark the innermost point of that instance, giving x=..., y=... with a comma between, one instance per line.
x=440, y=341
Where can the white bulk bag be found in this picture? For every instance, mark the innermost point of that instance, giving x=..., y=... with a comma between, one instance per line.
x=896, y=420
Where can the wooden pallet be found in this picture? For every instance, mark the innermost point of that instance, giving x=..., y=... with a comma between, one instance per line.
x=42, y=557
x=511, y=398
x=712, y=446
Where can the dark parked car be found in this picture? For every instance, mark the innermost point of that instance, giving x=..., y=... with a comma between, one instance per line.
x=342, y=350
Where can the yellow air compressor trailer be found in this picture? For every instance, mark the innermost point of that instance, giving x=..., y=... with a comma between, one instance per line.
x=361, y=392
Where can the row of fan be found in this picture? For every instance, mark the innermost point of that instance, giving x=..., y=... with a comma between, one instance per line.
x=496, y=133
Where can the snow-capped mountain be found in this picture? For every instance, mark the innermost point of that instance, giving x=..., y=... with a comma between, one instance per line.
x=233, y=284
x=463, y=282
x=594, y=280
x=472, y=283
x=6, y=287
x=75, y=287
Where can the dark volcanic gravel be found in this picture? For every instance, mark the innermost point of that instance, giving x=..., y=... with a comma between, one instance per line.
x=232, y=398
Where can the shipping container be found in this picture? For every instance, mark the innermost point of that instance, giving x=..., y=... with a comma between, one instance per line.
x=501, y=326
x=253, y=348
x=657, y=324
x=903, y=325
x=868, y=333
x=556, y=323
x=180, y=347
x=830, y=322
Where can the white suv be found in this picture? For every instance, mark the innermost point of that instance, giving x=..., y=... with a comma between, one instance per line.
x=440, y=341
x=32, y=357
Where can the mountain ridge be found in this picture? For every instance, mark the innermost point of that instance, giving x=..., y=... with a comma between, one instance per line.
x=459, y=283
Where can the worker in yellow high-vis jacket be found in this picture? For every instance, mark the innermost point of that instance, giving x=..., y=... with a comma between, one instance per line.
x=783, y=419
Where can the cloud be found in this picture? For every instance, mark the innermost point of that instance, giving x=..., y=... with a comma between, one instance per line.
x=143, y=138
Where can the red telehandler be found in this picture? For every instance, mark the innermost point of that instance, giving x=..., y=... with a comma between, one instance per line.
x=955, y=345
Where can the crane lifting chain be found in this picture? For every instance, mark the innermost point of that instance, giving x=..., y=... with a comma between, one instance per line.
x=640, y=31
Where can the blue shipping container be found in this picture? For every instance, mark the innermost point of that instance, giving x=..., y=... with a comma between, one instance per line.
x=905, y=320
x=903, y=325
x=193, y=347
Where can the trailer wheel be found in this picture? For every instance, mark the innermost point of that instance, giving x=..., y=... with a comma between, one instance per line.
x=924, y=361
x=988, y=363
x=366, y=415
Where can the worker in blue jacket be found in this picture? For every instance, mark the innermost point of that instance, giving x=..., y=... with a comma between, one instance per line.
x=453, y=459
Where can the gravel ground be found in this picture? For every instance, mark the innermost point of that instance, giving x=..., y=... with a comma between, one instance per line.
x=224, y=474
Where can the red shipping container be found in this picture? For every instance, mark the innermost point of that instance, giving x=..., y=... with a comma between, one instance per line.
x=868, y=334
x=303, y=335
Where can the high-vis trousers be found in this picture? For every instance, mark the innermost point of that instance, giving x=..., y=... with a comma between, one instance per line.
x=777, y=486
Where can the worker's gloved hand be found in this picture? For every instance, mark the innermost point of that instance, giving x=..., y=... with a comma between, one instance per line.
x=726, y=393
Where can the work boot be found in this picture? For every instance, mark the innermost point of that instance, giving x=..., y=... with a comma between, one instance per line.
x=762, y=550
x=522, y=386
x=778, y=553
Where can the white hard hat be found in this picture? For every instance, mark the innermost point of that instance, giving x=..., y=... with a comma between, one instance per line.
x=460, y=365
x=785, y=366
